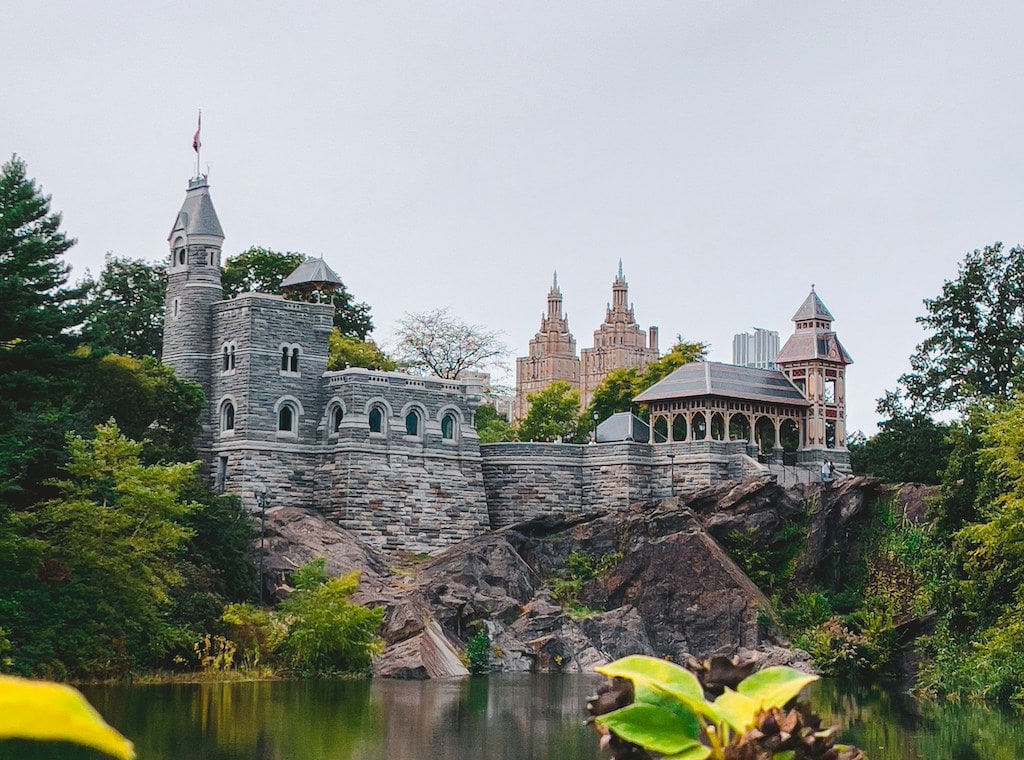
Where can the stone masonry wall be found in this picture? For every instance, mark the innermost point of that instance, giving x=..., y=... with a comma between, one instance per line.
x=527, y=480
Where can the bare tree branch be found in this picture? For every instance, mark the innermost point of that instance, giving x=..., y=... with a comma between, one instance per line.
x=438, y=342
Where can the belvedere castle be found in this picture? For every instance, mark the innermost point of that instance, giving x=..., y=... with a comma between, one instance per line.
x=395, y=458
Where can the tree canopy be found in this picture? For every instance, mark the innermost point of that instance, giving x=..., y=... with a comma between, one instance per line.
x=258, y=269
x=974, y=350
x=125, y=307
x=620, y=386
x=554, y=415
x=344, y=351
x=438, y=342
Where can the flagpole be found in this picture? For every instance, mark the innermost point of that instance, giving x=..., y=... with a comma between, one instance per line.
x=199, y=140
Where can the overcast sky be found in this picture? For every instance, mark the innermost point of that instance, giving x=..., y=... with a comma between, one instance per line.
x=455, y=154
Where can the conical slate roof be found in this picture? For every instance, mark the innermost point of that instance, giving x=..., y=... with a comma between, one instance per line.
x=312, y=274
x=197, y=215
x=812, y=308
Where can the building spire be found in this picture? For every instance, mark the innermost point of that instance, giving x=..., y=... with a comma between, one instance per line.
x=621, y=277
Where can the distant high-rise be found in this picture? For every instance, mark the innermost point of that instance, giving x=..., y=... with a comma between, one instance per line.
x=757, y=349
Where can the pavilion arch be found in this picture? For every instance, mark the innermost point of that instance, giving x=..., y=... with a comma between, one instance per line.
x=739, y=427
x=789, y=435
x=660, y=426
x=698, y=427
x=717, y=427
x=765, y=434
x=679, y=427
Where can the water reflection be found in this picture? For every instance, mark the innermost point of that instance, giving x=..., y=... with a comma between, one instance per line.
x=518, y=717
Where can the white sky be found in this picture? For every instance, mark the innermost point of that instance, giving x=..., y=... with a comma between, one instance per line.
x=454, y=154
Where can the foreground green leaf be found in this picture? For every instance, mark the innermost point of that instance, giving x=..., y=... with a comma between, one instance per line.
x=54, y=712
x=738, y=710
x=651, y=727
x=774, y=687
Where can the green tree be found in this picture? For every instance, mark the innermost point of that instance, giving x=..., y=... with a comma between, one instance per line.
x=125, y=307
x=104, y=555
x=38, y=362
x=344, y=351
x=491, y=427
x=909, y=447
x=150, y=403
x=977, y=330
x=554, y=416
x=440, y=343
x=327, y=633
x=620, y=386
x=261, y=270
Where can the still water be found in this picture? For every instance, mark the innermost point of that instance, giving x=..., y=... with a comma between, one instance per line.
x=501, y=717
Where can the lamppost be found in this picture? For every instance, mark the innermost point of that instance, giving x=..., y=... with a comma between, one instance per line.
x=261, y=500
x=593, y=434
x=672, y=474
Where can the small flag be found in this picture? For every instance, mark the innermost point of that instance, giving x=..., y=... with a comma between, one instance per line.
x=195, y=140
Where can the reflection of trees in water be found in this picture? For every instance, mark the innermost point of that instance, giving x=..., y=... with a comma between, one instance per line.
x=889, y=725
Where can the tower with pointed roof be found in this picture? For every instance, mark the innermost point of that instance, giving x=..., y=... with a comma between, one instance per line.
x=193, y=284
x=815, y=362
x=619, y=343
x=551, y=355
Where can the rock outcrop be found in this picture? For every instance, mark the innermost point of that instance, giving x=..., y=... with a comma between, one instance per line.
x=672, y=591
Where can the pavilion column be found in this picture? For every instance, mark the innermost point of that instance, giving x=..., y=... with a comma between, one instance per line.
x=778, y=426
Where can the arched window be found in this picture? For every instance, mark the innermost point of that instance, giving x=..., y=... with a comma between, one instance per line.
x=181, y=256
x=412, y=423
x=227, y=417
x=376, y=420
x=448, y=426
x=284, y=359
x=286, y=419
x=176, y=308
x=227, y=360
x=337, y=415
x=231, y=356
x=294, y=365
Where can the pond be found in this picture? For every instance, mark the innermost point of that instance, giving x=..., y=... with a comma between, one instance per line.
x=501, y=717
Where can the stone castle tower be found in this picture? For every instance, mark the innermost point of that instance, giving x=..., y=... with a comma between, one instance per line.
x=815, y=362
x=619, y=343
x=551, y=355
x=392, y=457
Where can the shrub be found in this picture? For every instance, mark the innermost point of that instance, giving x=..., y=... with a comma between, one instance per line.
x=478, y=651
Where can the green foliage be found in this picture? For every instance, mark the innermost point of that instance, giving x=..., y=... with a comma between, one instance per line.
x=771, y=565
x=125, y=308
x=478, y=651
x=257, y=633
x=103, y=555
x=344, y=351
x=554, y=416
x=620, y=386
x=149, y=403
x=261, y=270
x=977, y=328
x=909, y=447
x=670, y=715
x=326, y=632
x=581, y=566
x=491, y=427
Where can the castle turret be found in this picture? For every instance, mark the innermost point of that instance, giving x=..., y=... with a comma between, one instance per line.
x=193, y=285
x=815, y=362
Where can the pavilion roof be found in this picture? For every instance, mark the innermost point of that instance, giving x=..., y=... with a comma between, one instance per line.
x=725, y=381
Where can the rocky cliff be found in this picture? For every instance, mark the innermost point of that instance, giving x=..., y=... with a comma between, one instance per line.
x=668, y=588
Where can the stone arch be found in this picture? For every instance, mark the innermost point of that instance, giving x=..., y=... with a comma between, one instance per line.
x=228, y=414
x=335, y=414
x=414, y=415
x=287, y=411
